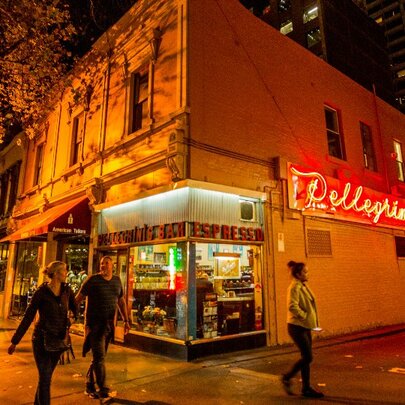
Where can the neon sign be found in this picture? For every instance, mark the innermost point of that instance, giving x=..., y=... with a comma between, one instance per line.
x=312, y=191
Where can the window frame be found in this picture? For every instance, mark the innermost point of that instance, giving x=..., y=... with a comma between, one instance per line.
x=333, y=132
x=399, y=160
x=77, y=138
x=368, y=148
x=137, y=121
x=39, y=164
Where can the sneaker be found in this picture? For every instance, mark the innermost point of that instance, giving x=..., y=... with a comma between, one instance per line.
x=91, y=393
x=311, y=393
x=287, y=385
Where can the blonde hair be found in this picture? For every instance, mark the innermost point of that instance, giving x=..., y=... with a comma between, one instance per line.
x=53, y=267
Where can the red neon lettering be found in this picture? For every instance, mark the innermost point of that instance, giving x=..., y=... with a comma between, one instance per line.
x=181, y=230
x=225, y=232
x=243, y=233
x=169, y=231
x=234, y=232
x=161, y=232
x=206, y=230
x=196, y=229
x=150, y=233
x=215, y=230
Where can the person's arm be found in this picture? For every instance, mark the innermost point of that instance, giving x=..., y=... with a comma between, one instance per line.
x=26, y=321
x=83, y=292
x=293, y=303
x=124, y=314
x=72, y=303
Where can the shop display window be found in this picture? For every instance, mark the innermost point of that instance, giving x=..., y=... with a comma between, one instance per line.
x=28, y=262
x=76, y=257
x=157, y=289
x=228, y=289
x=3, y=264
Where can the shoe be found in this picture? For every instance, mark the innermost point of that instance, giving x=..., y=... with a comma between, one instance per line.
x=91, y=393
x=311, y=393
x=286, y=385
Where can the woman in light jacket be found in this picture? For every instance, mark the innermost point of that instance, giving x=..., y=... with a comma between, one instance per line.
x=302, y=318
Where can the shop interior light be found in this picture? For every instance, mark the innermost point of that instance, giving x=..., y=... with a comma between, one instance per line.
x=172, y=267
x=313, y=10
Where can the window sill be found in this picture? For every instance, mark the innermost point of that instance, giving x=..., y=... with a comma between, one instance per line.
x=335, y=160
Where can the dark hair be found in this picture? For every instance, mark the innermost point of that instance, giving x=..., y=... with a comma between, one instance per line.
x=295, y=268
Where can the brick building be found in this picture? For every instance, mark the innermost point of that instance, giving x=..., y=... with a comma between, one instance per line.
x=190, y=143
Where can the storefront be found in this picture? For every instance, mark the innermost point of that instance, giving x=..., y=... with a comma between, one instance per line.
x=60, y=233
x=193, y=277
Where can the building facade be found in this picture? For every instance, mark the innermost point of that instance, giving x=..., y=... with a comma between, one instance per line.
x=338, y=32
x=390, y=16
x=190, y=154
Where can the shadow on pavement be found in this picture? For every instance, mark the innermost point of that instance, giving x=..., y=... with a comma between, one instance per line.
x=360, y=401
x=129, y=402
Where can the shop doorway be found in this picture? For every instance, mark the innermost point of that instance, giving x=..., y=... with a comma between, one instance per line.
x=27, y=265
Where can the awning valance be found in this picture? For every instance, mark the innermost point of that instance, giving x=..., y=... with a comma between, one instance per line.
x=72, y=218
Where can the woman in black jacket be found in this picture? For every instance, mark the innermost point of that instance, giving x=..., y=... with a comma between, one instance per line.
x=53, y=300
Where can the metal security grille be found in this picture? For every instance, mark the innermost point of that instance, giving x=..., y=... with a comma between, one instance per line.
x=319, y=242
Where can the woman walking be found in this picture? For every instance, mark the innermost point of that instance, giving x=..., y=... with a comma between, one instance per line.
x=53, y=300
x=302, y=318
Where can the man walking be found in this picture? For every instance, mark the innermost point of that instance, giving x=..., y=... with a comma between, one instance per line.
x=104, y=292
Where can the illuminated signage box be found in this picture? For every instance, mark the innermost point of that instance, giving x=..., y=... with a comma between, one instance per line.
x=315, y=194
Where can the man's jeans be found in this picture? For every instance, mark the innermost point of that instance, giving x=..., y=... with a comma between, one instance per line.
x=98, y=340
x=46, y=363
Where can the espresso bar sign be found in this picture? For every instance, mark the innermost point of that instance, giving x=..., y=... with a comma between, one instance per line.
x=178, y=230
x=226, y=232
x=143, y=234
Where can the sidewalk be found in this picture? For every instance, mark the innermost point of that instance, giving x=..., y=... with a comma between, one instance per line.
x=134, y=374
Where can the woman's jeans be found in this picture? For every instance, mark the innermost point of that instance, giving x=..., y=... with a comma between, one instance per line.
x=46, y=363
x=303, y=339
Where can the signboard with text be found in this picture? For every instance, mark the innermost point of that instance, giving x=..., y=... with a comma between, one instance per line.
x=316, y=194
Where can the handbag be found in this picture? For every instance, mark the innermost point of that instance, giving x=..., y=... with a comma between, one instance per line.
x=53, y=343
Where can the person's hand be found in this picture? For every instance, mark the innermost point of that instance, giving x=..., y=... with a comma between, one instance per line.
x=11, y=348
x=127, y=327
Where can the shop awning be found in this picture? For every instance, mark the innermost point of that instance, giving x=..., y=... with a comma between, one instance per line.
x=71, y=218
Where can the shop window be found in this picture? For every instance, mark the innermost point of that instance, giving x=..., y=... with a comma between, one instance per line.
x=284, y=5
x=313, y=37
x=310, y=13
x=157, y=289
x=29, y=260
x=319, y=242
x=227, y=302
x=334, y=135
x=139, y=105
x=368, y=148
x=3, y=264
x=399, y=160
x=400, y=246
x=286, y=27
x=77, y=139
x=39, y=158
x=401, y=73
x=247, y=210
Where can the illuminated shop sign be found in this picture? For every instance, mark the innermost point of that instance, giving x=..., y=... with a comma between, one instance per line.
x=311, y=191
x=178, y=230
x=226, y=232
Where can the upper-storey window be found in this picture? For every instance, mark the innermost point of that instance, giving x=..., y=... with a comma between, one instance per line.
x=39, y=161
x=368, y=148
x=77, y=138
x=310, y=13
x=139, y=104
x=399, y=160
x=313, y=37
x=334, y=133
x=284, y=5
x=286, y=27
x=9, y=189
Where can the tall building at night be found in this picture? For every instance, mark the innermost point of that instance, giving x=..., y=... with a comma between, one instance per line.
x=390, y=15
x=202, y=150
x=338, y=32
